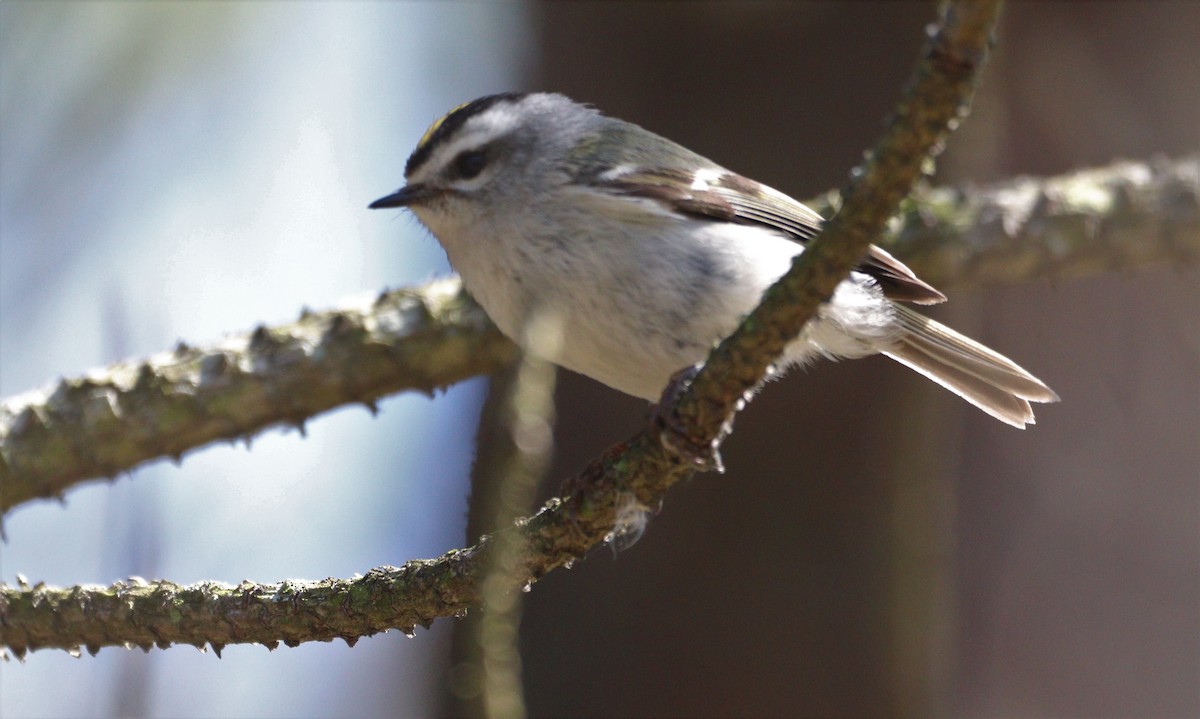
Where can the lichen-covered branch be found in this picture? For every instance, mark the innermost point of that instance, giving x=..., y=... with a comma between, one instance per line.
x=1120, y=217
x=114, y=419
x=1090, y=222
x=161, y=613
x=564, y=529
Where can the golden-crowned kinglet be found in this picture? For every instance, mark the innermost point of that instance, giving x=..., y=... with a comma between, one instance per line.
x=651, y=253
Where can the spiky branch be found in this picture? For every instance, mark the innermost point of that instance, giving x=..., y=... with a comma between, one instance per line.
x=1124, y=216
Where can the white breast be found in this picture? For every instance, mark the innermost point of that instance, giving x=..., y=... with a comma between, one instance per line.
x=641, y=300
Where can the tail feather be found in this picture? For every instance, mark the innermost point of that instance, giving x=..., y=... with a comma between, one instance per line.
x=981, y=376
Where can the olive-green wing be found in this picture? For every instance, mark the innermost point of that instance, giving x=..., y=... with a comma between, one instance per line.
x=726, y=196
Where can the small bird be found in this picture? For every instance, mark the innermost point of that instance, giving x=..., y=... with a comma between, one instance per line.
x=651, y=253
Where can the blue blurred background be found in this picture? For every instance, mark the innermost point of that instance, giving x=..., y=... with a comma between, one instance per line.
x=180, y=170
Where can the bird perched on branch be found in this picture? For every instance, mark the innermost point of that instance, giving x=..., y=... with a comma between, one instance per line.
x=651, y=253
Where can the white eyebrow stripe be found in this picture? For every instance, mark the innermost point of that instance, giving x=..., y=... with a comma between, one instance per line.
x=475, y=132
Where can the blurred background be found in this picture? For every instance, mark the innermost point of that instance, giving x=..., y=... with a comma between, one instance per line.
x=878, y=547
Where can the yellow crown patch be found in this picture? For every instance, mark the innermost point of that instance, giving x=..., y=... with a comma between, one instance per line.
x=438, y=123
x=448, y=124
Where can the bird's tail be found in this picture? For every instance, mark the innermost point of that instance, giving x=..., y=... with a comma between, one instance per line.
x=986, y=379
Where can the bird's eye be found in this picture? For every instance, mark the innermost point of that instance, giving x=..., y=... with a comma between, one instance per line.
x=469, y=164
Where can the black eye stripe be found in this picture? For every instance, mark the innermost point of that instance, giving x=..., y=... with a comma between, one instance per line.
x=469, y=164
x=451, y=123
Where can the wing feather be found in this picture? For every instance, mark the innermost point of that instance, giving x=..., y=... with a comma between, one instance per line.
x=724, y=196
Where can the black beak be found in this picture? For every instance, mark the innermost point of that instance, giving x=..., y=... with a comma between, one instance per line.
x=405, y=196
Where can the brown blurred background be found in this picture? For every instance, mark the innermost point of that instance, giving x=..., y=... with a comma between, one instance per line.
x=878, y=547
x=176, y=171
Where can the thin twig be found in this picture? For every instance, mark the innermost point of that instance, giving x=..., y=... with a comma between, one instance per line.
x=529, y=419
